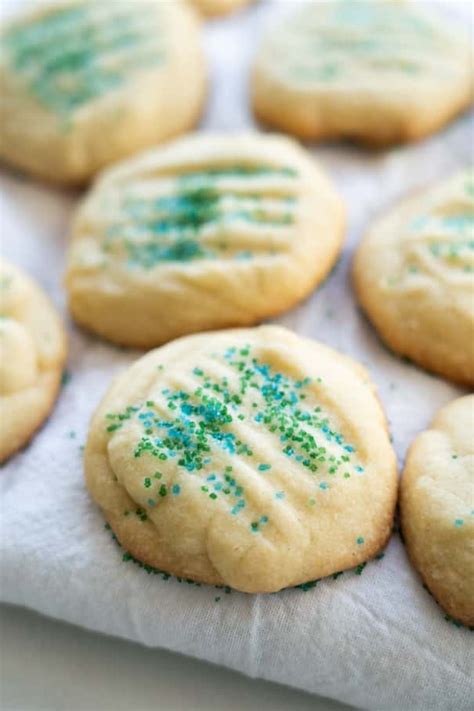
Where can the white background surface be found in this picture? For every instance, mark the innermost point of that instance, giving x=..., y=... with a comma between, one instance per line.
x=51, y=666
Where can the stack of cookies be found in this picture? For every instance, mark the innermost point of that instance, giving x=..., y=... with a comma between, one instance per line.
x=232, y=453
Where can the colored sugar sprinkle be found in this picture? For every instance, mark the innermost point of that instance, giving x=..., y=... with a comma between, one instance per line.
x=459, y=522
x=454, y=243
x=217, y=599
x=255, y=525
x=359, y=540
x=359, y=569
x=170, y=227
x=73, y=55
x=192, y=430
x=232, y=171
x=456, y=623
x=307, y=586
x=65, y=377
x=380, y=39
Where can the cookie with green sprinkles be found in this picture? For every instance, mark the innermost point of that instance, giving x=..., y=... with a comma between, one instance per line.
x=85, y=83
x=378, y=72
x=437, y=508
x=414, y=276
x=211, y=231
x=252, y=458
x=32, y=355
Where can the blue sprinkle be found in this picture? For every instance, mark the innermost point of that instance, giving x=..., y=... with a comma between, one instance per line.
x=264, y=467
x=359, y=469
x=263, y=519
x=280, y=495
x=151, y=502
x=459, y=522
x=359, y=541
x=176, y=489
x=211, y=477
x=323, y=485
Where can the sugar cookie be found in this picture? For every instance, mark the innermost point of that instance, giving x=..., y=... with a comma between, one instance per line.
x=85, y=83
x=212, y=8
x=212, y=230
x=437, y=507
x=253, y=458
x=32, y=354
x=378, y=72
x=414, y=277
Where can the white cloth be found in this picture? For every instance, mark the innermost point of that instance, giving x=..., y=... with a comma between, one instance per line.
x=375, y=640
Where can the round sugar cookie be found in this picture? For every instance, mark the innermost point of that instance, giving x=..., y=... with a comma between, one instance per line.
x=32, y=355
x=437, y=508
x=414, y=276
x=212, y=230
x=86, y=83
x=377, y=72
x=213, y=8
x=251, y=458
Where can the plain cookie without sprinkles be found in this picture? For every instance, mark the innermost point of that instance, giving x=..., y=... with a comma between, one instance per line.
x=437, y=508
x=32, y=355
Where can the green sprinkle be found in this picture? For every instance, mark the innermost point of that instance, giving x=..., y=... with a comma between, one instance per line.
x=65, y=377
